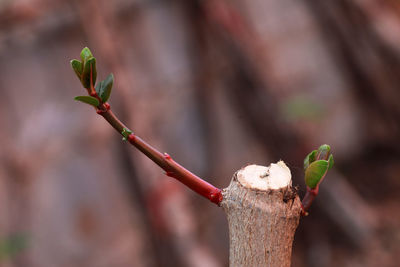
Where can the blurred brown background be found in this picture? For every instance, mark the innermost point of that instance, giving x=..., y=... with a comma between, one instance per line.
x=216, y=83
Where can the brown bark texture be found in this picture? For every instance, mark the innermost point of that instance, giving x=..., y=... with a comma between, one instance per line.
x=262, y=224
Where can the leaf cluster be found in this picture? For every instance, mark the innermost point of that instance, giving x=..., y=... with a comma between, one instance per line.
x=316, y=165
x=86, y=71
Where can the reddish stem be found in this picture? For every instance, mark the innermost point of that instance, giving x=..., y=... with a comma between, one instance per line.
x=308, y=200
x=171, y=168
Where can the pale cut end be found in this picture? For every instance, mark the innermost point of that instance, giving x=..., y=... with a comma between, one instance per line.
x=275, y=176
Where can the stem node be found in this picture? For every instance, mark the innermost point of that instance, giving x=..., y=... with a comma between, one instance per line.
x=170, y=174
x=167, y=156
x=216, y=197
x=131, y=137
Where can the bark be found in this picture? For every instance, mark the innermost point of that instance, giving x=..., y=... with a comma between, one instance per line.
x=262, y=223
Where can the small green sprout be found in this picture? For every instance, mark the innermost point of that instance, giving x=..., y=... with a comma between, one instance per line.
x=86, y=72
x=126, y=132
x=316, y=165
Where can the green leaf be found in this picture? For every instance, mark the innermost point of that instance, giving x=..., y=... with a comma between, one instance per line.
x=125, y=133
x=105, y=90
x=77, y=67
x=330, y=161
x=315, y=173
x=88, y=100
x=88, y=70
x=309, y=159
x=86, y=55
x=323, y=152
x=98, y=88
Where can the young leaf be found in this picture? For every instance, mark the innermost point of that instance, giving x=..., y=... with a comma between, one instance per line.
x=315, y=173
x=105, y=90
x=330, y=161
x=309, y=159
x=86, y=55
x=77, y=67
x=88, y=70
x=323, y=152
x=98, y=87
x=88, y=100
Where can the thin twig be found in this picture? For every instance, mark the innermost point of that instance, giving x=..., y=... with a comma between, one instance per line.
x=308, y=200
x=171, y=167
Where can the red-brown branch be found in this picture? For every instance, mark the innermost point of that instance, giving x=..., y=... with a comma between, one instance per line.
x=308, y=200
x=171, y=167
